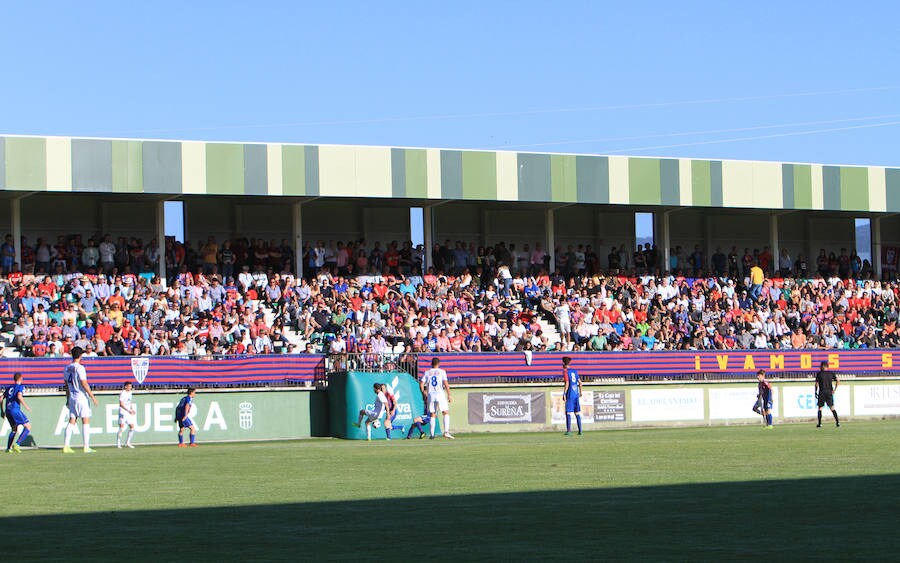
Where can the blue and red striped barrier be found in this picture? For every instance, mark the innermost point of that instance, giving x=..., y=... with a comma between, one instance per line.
x=548, y=365
x=302, y=368
x=169, y=371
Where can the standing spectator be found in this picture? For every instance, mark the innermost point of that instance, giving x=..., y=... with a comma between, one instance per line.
x=7, y=255
x=209, y=254
x=757, y=277
x=42, y=256
x=107, y=254
x=90, y=256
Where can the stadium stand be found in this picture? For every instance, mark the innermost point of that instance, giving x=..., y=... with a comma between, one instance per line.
x=240, y=297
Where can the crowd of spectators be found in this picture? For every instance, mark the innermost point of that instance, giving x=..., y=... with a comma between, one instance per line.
x=241, y=297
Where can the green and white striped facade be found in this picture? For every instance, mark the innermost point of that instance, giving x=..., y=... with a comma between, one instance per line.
x=68, y=164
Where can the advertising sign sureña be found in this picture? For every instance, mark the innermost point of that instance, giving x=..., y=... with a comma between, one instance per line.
x=507, y=408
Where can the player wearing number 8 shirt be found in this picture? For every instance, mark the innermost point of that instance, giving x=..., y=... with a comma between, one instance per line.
x=436, y=392
x=572, y=395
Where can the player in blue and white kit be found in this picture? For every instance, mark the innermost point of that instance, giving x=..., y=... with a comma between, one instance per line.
x=418, y=423
x=572, y=395
x=78, y=391
x=184, y=416
x=14, y=401
x=764, y=398
x=372, y=416
x=127, y=416
x=436, y=390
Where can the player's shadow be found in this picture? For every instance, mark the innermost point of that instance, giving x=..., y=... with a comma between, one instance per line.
x=841, y=518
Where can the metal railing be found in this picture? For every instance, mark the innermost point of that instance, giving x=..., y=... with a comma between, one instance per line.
x=370, y=362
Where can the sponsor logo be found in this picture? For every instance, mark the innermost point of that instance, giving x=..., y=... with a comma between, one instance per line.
x=245, y=415
x=140, y=367
x=609, y=406
x=507, y=408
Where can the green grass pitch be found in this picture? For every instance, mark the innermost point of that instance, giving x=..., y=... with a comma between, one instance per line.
x=742, y=492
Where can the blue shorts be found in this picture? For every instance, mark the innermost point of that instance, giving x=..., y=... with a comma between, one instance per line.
x=765, y=404
x=186, y=423
x=16, y=418
x=573, y=403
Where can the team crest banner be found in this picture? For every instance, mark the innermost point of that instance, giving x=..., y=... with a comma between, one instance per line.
x=140, y=367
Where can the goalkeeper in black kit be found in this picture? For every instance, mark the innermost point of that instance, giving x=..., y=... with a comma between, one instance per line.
x=826, y=385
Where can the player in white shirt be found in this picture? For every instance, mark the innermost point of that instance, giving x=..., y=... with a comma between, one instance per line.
x=436, y=392
x=374, y=414
x=127, y=416
x=78, y=392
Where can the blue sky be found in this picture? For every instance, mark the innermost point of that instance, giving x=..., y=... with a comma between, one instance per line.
x=650, y=78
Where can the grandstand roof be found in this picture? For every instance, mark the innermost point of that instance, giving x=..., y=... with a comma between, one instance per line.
x=69, y=164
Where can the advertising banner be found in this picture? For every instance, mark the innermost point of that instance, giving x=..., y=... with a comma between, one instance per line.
x=609, y=406
x=507, y=408
x=873, y=400
x=250, y=415
x=649, y=405
x=547, y=366
x=800, y=401
x=169, y=371
x=558, y=408
x=350, y=393
x=736, y=403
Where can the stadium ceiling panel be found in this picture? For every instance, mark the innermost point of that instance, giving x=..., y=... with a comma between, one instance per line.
x=183, y=168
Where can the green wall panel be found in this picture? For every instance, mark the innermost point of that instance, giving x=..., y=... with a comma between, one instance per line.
x=563, y=178
x=127, y=171
x=479, y=175
x=416, y=173
x=293, y=170
x=225, y=169
x=643, y=181
x=700, y=183
x=26, y=163
x=854, y=188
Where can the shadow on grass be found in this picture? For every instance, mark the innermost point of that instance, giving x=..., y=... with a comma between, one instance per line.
x=839, y=518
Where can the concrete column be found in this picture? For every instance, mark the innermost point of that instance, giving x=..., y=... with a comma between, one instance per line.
x=773, y=242
x=15, y=211
x=876, y=245
x=810, y=256
x=298, y=238
x=665, y=236
x=186, y=221
x=161, y=238
x=708, y=239
x=550, y=237
x=428, y=235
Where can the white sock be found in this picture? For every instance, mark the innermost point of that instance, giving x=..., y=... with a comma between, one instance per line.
x=119, y=437
x=128, y=435
x=446, y=424
x=69, y=429
x=369, y=431
x=432, y=422
x=86, y=431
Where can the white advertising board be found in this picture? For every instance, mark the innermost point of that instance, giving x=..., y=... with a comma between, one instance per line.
x=800, y=401
x=872, y=400
x=736, y=403
x=666, y=404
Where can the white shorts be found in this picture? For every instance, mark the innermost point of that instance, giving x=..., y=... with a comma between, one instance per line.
x=372, y=416
x=127, y=419
x=438, y=403
x=79, y=408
